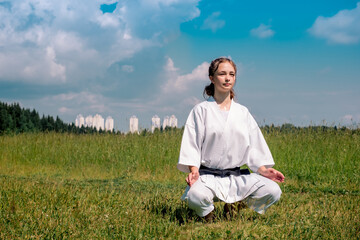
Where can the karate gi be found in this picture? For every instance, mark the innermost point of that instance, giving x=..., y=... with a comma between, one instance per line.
x=215, y=142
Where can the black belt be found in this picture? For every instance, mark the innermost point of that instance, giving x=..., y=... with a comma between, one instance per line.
x=223, y=172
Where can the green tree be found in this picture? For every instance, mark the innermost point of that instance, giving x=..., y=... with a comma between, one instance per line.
x=35, y=119
x=22, y=123
x=3, y=118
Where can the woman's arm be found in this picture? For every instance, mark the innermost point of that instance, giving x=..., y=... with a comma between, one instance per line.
x=193, y=175
x=271, y=173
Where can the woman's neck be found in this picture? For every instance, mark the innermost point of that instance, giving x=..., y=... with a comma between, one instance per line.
x=223, y=100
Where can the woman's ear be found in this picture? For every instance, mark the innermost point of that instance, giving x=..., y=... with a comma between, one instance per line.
x=211, y=78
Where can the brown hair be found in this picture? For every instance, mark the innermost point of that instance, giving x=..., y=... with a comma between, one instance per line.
x=209, y=90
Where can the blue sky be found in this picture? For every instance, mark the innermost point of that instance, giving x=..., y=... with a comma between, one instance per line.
x=298, y=62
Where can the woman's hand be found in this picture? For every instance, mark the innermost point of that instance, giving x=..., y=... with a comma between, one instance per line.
x=193, y=175
x=271, y=173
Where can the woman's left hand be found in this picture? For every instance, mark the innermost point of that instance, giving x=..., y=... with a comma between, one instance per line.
x=272, y=174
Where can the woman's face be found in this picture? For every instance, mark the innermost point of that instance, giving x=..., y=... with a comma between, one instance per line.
x=224, y=78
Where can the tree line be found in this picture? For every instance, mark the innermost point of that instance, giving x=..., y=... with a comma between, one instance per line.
x=15, y=119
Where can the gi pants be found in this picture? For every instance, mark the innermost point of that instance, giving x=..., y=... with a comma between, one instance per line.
x=201, y=198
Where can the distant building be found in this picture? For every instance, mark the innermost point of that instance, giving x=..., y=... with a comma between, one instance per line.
x=134, y=124
x=155, y=123
x=98, y=122
x=89, y=121
x=79, y=121
x=173, y=121
x=109, y=124
x=166, y=122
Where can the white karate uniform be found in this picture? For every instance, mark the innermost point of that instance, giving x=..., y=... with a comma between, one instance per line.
x=215, y=142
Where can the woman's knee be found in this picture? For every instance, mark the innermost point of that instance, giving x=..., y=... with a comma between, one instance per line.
x=274, y=191
x=198, y=199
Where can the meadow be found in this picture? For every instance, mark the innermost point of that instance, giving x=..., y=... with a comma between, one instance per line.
x=108, y=186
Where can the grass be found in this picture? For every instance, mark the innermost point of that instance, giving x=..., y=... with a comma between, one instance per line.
x=127, y=187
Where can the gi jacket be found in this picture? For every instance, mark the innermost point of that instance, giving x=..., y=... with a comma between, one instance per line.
x=214, y=142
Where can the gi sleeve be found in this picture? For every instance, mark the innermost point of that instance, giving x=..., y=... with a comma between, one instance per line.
x=259, y=154
x=190, y=151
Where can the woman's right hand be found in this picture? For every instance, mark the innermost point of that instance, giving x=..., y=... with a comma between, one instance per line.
x=271, y=173
x=193, y=175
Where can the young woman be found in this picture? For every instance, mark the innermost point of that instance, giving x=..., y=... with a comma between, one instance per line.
x=220, y=136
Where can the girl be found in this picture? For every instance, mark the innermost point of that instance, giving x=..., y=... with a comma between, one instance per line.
x=220, y=136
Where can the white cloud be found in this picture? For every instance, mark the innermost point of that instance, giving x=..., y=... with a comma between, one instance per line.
x=35, y=65
x=157, y=20
x=179, y=91
x=84, y=102
x=213, y=22
x=181, y=83
x=64, y=110
x=156, y=3
x=50, y=42
x=80, y=97
x=263, y=31
x=350, y=119
x=108, y=20
x=67, y=42
x=170, y=67
x=127, y=68
x=191, y=101
x=56, y=70
x=342, y=28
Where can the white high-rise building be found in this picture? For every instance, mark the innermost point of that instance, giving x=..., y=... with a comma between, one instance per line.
x=134, y=124
x=173, y=121
x=98, y=122
x=89, y=121
x=109, y=124
x=155, y=123
x=79, y=121
x=166, y=122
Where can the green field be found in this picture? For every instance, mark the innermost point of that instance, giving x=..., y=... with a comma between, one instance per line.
x=108, y=186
